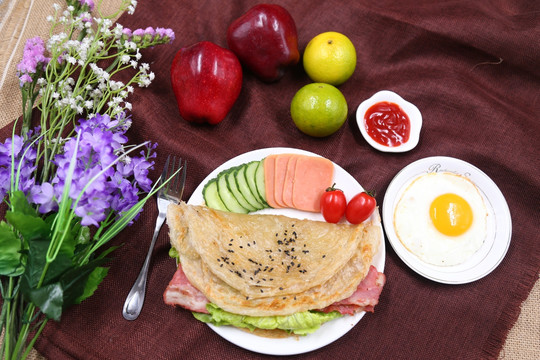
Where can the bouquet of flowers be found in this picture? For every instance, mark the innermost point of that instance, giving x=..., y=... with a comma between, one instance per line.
x=71, y=182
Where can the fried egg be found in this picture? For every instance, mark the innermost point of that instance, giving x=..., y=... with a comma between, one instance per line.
x=441, y=218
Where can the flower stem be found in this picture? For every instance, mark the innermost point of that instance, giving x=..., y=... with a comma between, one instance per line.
x=33, y=341
x=24, y=331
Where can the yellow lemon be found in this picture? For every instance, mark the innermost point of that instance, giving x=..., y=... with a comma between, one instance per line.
x=319, y=109
x=330, y=58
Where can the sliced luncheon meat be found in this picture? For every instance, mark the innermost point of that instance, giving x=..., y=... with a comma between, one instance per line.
x=280, y=171
x=312, y=175
x=289, y=182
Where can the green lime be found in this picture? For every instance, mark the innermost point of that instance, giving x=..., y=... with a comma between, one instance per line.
x=319, y=109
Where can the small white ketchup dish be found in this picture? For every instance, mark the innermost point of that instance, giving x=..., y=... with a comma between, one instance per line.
x=389, y=123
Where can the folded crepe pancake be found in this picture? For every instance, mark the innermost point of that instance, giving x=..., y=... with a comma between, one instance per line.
x=265, y=265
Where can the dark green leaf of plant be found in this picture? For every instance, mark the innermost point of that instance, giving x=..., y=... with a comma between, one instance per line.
x=74, y=281
x=49, y=299
x=95, y=278
x=10, y=256
x=37, y=262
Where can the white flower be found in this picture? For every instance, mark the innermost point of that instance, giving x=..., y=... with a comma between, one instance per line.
x=144, y=67
x=130, y=89
x=124, y=59
x=116, y=85
x=133, y=63
x=96, y=93
x=56, y=7
x=88, y=104
x=128, y=106
x=118, y=30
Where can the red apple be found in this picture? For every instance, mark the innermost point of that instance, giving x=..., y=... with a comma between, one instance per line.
x=265, y=41
x=206, y=81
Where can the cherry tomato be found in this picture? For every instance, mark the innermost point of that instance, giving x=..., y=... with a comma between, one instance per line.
x=333, y=204
x=360, y=207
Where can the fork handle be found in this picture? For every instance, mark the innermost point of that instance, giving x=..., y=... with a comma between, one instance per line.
x=135, y=299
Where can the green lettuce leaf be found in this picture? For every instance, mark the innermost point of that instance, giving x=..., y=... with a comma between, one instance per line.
x=301, y=323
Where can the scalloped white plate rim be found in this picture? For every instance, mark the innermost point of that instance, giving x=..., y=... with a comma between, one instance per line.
x=499, y=233
x=330, y=331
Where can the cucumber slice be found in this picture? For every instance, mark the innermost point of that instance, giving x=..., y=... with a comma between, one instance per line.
x=211, y=196
x=243, y=186
x=233, y=186
x=227, y=196
x=251, y=169
x=259, y=181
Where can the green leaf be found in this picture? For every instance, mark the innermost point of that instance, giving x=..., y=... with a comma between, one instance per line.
x=74, y=281
x=37, y=263
x=74, y=285
x=49, y=299
x=31, y=227
x=19, y=203
x=10, y=256
x=95, y=278
x=70, y=242
x=83, y=234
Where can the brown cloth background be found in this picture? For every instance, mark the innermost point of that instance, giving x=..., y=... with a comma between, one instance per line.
x=472, y=70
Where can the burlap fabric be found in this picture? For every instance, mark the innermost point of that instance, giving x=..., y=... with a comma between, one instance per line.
x=471, y=68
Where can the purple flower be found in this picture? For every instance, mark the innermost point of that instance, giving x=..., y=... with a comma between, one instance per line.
x=102, y=183
x=151, y=36
x=33, y=61
x=107, y=187
x=150, y=31
x=165, y=34
x=138, y=32
x=89, y=3
x=43, y=195
x=126, y=34
x=24, y=157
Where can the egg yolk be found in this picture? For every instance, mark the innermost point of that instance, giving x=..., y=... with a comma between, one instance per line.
x=451, y=214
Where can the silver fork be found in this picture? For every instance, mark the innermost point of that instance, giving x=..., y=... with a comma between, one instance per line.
x=171, y=192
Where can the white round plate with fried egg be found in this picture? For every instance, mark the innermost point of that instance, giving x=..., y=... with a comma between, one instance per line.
x=499, y=223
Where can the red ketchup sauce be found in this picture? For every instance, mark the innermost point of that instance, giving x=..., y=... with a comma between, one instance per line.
x=387, y=124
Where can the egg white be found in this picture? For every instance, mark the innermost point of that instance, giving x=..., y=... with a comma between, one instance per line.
x=417, y=232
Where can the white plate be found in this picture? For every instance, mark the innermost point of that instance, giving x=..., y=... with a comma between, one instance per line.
x=330, y=331
x=488, y=257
